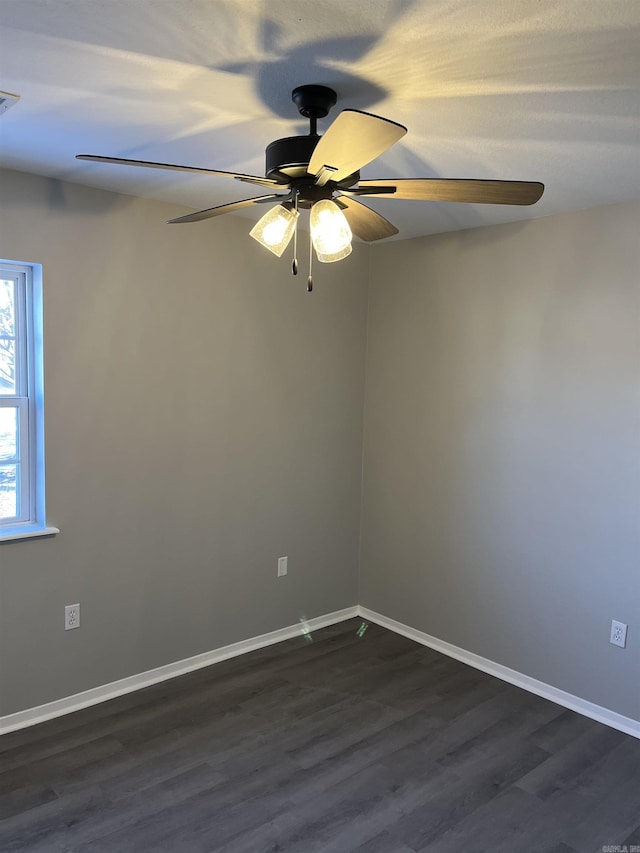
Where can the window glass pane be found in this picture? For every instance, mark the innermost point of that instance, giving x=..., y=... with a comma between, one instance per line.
x=7, y=308
x=8, y=491
x=8, y=433
x=7, y=337
x=7, y=366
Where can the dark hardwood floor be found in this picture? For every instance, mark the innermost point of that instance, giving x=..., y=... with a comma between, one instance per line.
x=336, y=742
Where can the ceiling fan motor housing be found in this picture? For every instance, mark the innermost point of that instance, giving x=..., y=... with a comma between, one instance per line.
x=289, y=157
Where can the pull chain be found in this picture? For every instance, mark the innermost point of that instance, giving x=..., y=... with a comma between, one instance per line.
x=310, y=279
x=294, y=265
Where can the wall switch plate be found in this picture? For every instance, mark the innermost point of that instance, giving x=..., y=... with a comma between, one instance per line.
x=618, y=634
x=282, y=566
x=71, y=616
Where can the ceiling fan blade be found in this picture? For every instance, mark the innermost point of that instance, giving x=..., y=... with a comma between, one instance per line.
x=221, y=209
x=454, y=189
x=364, y=222
x=353, y=140
x=370, y=190
x=267, y=199
x=254, y=179
x=261, y=182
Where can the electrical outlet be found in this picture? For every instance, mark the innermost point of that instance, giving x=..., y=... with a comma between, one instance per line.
x=7, y=100
x=282, y=566
x=618, y=634
x=71, y=616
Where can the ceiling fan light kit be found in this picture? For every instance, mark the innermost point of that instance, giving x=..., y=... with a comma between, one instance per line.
x=330, y=232
x=322, y=174
x=275, y=230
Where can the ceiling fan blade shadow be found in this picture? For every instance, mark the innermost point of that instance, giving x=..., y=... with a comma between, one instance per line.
x=354, y=139
x=365, y=223
x=221, y=209
x=459, y=190
x=123, y=161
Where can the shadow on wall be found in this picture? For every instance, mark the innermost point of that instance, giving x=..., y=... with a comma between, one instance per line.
x=61, y=199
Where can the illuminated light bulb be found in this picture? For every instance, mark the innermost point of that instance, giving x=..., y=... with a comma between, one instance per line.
x=275, y=229
x=330, y=232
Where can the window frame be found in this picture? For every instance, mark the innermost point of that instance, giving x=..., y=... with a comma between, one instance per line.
x=28, y=401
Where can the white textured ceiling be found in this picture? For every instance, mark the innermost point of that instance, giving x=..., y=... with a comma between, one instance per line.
x=545, y=90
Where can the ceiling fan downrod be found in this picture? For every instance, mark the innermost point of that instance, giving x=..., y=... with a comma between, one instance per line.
x=287, y=158
x=313, y=102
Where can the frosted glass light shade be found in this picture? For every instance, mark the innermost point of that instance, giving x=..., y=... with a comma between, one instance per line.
x=275, y=229
x=330, y=232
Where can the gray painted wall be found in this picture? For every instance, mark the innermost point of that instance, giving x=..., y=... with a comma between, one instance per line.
x=203, y=417
x=501, y=467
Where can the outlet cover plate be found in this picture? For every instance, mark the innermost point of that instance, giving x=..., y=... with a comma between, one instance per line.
x=618, y=634
x=7, y=100
x=71, y=616
x=282, y=566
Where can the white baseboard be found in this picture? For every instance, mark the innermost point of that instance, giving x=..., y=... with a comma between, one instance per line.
x=59, y=707
x=560, y=697
x=67, y=705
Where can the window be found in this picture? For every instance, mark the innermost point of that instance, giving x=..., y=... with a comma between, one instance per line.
x=21, y=403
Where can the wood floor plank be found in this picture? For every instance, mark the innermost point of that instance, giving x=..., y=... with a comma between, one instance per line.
x=338, y=741
x=633, y=837
x=383, y=843
x=558, y=848
x=52, y=768
x=43, y=829
x=18, y=800
x=512, y=822
x=475, y=787
x=561, y=731
x=613, y=783
x=566, y=765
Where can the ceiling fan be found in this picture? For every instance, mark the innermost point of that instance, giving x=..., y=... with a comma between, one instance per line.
x=322, y=173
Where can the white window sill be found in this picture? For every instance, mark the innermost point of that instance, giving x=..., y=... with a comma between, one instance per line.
x=25, y=531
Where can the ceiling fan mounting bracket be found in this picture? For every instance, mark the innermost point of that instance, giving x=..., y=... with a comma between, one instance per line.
x=314, y=101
